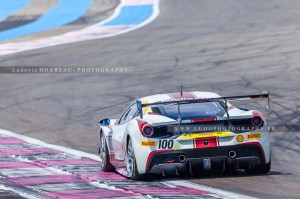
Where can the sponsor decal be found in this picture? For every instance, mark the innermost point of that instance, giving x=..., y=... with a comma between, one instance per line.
x=240, y=138
x=148, y=143
x=175, y=147
x=205, y=135
x=146, y=109
x=254, y=136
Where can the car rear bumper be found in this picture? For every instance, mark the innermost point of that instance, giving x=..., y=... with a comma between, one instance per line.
x=217, y=158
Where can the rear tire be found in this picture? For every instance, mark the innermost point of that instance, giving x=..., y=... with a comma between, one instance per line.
x=131, y=167
x=105, y=164
x=260, y=169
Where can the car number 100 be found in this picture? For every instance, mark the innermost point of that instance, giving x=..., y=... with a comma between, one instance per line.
x=165, y=144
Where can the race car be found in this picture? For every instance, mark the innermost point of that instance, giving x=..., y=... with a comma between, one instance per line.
x=185, y=132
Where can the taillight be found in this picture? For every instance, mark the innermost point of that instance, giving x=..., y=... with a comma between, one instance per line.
x=146, y=129
x=257, y=119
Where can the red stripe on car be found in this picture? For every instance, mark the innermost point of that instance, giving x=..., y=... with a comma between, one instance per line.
x=206, y=142
x=151, y=155
x=184, y=95
x=198, y=120
x=260, y=146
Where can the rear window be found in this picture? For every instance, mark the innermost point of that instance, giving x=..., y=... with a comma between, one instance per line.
x=191, y=111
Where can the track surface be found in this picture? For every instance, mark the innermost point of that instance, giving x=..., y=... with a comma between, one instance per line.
x=39, y=170
x=230, y=47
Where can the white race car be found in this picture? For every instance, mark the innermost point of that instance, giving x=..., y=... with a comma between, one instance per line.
x=183, y=132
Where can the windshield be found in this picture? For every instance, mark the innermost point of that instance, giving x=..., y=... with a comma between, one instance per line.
x=191, y=111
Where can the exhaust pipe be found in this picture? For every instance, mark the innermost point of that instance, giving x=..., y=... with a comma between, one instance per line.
x=232, y=154
x=182, y=158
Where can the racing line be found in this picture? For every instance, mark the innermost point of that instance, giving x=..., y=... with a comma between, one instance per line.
x=34, y=169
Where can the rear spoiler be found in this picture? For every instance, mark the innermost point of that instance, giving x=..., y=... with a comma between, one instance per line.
x=264, y=95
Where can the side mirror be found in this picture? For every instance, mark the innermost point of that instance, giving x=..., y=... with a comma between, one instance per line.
x=104, y=122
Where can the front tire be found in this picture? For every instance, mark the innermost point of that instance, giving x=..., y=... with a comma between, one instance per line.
x=131, y=167
x=105, y=164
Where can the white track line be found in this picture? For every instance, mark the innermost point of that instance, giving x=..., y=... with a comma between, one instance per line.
x=97, y=31
x=51, y=146
x=216, y=192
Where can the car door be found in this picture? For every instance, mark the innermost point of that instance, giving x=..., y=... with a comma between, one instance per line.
x=119, y=133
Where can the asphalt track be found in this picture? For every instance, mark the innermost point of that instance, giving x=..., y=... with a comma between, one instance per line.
x=230, y=47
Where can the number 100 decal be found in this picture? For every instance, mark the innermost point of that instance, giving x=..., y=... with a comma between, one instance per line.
x=165, y=144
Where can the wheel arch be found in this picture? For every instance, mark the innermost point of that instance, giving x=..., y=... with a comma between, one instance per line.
x=105, y=131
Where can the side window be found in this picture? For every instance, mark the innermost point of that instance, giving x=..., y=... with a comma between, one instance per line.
x=137, y=113
x=132, y=112
x=128, y=114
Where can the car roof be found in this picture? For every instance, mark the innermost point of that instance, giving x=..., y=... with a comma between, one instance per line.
x=178, y=95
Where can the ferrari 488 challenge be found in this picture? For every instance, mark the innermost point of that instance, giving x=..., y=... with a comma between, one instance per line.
x=185, y=132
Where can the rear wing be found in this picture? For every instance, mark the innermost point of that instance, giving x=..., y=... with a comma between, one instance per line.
x=264, y=96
